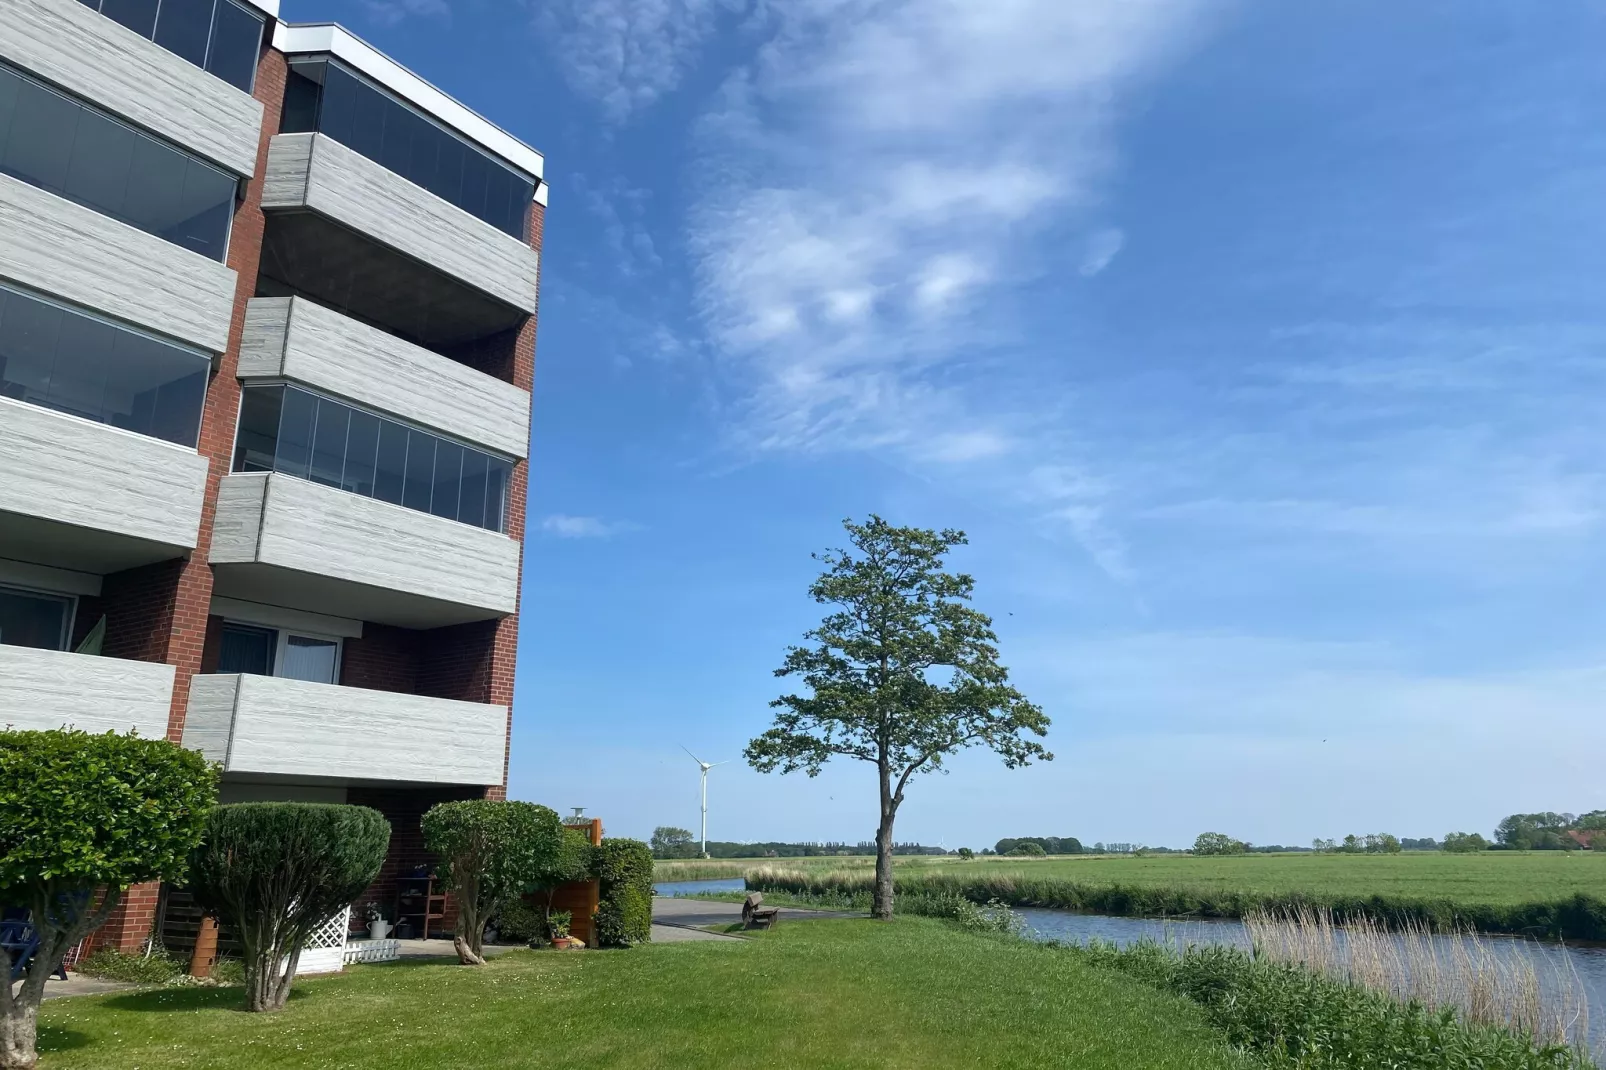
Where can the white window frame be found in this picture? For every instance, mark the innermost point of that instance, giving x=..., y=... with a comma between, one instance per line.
x=282, y=641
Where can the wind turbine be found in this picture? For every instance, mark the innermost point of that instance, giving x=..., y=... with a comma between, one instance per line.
x=704, y=767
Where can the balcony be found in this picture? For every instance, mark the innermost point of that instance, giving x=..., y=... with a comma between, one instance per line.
x=68, y=251
x=264, y=725
x=65, y=42
x=46, y=689
x=290, y=542
x=82, y=495
x=351, y=234
x=297, y=340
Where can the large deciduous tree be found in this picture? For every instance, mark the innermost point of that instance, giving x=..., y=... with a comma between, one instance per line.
x=82, y=817
x=276, y=872
x=494, y=851
x=901, y=673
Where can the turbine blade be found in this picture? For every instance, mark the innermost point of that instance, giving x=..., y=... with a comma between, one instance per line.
x=694, y=757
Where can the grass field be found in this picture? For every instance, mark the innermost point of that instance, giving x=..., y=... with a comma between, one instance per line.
x=1544, y=892
x=1490, y=877
x=837, y=994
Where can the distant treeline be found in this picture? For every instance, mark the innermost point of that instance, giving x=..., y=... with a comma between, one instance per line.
x=671, y=842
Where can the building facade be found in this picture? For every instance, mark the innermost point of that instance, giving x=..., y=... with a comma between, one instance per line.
x=267, y=337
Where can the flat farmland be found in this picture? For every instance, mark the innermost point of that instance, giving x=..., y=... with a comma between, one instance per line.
x=1486, y=877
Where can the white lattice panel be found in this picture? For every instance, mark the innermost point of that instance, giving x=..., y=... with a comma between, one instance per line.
x=325, y=949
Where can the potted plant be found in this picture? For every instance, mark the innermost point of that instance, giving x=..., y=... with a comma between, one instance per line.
x=557, y=923
x=378, y=927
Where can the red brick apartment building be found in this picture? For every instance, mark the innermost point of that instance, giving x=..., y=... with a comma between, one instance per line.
x=267, y=334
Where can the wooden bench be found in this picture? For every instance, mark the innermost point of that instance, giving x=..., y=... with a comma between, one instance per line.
x=755, y=915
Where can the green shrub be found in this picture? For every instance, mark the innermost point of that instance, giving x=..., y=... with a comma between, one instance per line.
x=518, y=922
x=228, y=972
x=624, y=909
x=493, y=850
x=113, y=965
x=81, y=813
x=1293, y=1018
x=1028, y=849
x=275, y=872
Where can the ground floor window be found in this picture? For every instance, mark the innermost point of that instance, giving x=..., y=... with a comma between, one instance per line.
x=36, y=619
x=259, y=651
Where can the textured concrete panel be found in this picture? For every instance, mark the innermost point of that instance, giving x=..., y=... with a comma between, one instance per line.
x=88, y=54
x=293, y=338
x=48, y=689
x=274, y=519
x=318, y=173
x=71, y=471
x=76, y=254
x=266, y=725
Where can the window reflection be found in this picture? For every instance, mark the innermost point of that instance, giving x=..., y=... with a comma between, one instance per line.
x=287, y=429
x=221, y=36
x=59, y=144
x=323, y=96
x=60, y=358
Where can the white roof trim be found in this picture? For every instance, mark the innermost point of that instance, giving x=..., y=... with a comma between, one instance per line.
x=267, y=7
x=337, y=41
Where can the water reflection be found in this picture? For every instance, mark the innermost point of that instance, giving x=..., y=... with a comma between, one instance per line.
x=1589, y=963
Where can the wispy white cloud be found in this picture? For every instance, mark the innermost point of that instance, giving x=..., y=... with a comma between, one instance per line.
x=390, y=12
x=625, y=54
x=1102, y=246
x=879, y=180
x=565, y=526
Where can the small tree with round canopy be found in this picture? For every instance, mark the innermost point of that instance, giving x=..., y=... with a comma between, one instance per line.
x=494, y=851
x=83, y=817
x=274, y=873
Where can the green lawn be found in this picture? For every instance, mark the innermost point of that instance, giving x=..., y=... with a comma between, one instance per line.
x=1499, y=877
x=917, y=993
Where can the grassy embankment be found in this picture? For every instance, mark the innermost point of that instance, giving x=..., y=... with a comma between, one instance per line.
x=839, y=994
x=1544, y=892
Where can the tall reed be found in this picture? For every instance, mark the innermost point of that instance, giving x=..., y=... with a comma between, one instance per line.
x=1515, y=984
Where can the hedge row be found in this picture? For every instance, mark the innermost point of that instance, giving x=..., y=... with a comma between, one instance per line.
x=624, y=906
x=1578, y=917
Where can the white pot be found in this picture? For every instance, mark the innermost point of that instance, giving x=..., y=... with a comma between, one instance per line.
x=378, y=929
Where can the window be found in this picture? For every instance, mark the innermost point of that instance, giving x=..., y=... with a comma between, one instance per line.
x=60, y=358
x=322, y=95
x=218, y=35
x=290, y=430
x=247, y=650
x=74, y=151
x=257, y=651
x=32, y=618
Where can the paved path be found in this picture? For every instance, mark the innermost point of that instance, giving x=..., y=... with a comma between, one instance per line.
x=696, y=913
x=79, y=985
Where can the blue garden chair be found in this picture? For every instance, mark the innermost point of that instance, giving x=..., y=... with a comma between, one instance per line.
x=19, y=941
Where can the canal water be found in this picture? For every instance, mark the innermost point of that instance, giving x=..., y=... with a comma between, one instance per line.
x=1587, y=961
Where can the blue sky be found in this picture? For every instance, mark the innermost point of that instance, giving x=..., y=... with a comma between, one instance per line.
x=1258, y=347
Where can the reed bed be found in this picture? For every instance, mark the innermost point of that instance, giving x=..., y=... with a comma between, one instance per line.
x=1576, y=917
x=1513, y=984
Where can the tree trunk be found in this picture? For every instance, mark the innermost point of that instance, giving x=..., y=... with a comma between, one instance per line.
x=468, y=937
x=18, y=1033
x=881, y=905
x=267, y=985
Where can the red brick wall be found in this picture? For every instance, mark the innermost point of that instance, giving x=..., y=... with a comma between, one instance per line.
x=384, y=659
x=404, y=809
